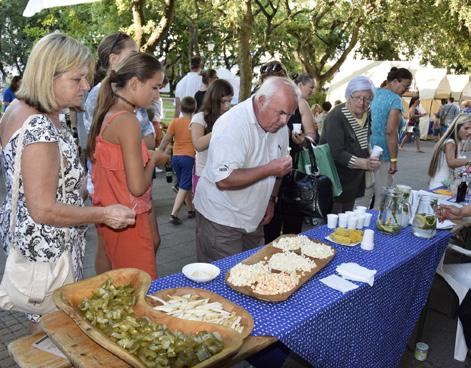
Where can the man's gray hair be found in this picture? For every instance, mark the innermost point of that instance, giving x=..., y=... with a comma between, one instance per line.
x=272, y=85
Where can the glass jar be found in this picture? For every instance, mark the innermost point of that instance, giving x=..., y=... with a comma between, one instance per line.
x=425, y=220
x=390, y=213
x=404, y=191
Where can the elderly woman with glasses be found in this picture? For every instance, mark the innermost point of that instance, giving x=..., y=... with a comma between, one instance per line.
x=346, y=130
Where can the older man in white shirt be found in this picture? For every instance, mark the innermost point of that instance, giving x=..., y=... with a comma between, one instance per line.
x=247, y=157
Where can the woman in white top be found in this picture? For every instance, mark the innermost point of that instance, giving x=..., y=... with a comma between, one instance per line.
x=447, y=153
x=217, y=101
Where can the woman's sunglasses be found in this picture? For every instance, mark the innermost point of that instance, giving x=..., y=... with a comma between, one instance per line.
x=271, y=68
x=119, y=37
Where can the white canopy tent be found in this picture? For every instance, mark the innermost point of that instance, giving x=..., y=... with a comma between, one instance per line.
x=35, y=6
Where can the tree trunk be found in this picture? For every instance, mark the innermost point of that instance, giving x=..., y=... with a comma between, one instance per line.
x=245, y=59
x=137, y=17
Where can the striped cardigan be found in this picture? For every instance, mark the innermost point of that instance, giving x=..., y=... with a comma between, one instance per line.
x=348, y=141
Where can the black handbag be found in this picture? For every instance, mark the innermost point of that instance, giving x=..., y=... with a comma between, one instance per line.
x=306, y=193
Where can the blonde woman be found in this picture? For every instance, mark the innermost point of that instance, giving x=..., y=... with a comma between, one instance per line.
x=55, y=78
x=447, y=154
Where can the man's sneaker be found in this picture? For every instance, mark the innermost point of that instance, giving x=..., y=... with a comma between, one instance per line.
x=175, y=220
x=158, y=170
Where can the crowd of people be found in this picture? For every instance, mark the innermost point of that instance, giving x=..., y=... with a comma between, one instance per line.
x=229, y=160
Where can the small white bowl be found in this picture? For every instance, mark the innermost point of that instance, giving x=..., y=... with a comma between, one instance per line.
x=201, y=272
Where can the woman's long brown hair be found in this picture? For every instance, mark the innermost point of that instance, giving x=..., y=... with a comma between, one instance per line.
x=137, y=64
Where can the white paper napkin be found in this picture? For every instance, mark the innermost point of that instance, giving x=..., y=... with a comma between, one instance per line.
x=355, y=272
x=338, y=283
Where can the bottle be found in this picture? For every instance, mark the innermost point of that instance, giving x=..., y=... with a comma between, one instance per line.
x=168, y=173
x=462, y=189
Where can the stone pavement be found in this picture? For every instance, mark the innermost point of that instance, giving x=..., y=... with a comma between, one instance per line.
x=177, y=249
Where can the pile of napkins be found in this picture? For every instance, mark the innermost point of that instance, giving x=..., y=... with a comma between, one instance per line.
x=349, y=271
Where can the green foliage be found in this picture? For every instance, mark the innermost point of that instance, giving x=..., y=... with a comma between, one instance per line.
x=306, y=35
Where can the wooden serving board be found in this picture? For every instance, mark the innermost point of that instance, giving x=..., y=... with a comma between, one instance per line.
x=27, y=356
x=246, y=321
x=264, y=254
x=83, y=352
x=69, y=297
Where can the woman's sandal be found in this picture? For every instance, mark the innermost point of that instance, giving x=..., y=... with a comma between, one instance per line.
x=191, y=214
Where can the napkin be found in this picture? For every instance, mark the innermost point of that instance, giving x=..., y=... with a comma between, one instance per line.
x=355, y=272
x=337, y=283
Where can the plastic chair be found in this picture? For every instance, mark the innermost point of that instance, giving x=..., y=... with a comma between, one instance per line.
x=458, y=276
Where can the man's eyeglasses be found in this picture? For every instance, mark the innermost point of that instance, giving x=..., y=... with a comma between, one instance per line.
x=361, y=99
x=119, y=37
x=271, y=68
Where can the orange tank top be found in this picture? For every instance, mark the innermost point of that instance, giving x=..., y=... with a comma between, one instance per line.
x=109, y=176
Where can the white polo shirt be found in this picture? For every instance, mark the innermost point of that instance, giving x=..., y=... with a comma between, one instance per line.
x=238, y=142
x=188, y=85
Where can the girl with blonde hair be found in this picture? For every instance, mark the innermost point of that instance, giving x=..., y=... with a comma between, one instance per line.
x=448, y=153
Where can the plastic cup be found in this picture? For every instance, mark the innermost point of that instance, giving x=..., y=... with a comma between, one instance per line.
x=361, y=220
x=332, y=220
x=343, y=218
x=360, y=209
x=367, y=219
x=367, y=243
x=352, y=222
x=376, y=151
x=297, y=128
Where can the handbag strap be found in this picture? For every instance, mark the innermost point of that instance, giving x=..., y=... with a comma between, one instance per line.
x=309, y=147
x=16, y=177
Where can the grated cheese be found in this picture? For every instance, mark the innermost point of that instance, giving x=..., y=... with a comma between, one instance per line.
x=290, y=262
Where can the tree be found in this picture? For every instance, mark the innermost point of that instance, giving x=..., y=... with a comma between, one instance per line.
x=17, y=35
x=424, y=28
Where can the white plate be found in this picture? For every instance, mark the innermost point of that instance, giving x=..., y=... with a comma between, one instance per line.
x=346, y=245
x=201, y=272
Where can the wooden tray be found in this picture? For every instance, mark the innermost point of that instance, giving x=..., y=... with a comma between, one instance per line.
x=69, y=297
x=82, y=351
x=27, y=356
x=246, y=322
x=267, y=251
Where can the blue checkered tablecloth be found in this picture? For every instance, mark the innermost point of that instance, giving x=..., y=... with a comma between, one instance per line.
x=366, y=327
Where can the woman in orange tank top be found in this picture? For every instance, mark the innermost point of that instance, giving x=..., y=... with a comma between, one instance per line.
x=122, y=167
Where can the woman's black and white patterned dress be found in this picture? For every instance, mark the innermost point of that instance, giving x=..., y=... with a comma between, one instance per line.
x=39, y=242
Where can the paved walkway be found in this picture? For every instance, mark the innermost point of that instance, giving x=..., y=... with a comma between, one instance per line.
x=177, y=249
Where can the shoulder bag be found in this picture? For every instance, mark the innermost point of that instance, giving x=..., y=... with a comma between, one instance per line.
x=305, y=191
x=28, y=286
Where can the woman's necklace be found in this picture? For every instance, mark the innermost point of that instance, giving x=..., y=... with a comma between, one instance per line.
x=127, y=101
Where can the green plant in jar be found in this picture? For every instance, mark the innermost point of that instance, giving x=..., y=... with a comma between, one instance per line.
x=390, y=213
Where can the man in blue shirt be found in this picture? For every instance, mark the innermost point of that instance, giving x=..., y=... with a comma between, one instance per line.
x=9, y=94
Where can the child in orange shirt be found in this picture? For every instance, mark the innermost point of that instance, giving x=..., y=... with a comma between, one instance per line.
x=183, y=158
